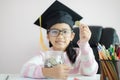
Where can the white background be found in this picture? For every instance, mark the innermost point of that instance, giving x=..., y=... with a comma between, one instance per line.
x=19, y=37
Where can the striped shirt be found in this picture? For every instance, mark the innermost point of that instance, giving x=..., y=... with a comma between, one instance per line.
x=85, y=63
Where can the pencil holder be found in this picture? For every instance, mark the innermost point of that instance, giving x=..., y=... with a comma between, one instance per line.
x=110, y=69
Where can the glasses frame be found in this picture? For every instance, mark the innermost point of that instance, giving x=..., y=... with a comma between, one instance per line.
x=60, y=32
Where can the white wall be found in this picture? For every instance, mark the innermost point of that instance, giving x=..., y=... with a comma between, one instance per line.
x=19, y=37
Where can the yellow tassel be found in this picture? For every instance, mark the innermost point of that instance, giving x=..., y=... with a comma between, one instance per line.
x=43, y=46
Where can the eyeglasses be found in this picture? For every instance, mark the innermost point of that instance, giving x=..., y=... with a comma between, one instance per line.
x=56, y=32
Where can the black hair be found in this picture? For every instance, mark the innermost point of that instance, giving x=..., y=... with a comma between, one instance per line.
x=71, y=53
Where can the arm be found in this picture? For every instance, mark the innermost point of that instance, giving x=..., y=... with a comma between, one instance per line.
x=33, y=68
x=88, y=64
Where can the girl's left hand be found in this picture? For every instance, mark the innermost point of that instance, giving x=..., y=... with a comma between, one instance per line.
x=85, y=33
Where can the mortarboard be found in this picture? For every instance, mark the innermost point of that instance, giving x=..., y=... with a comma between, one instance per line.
x=57, y=13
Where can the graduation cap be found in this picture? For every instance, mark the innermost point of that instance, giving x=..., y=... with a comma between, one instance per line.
x=57, y=13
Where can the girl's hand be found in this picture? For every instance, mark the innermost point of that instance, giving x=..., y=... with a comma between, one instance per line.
x=85, y=33
x=60, y=71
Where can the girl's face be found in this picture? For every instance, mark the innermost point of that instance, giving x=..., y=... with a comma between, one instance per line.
x=60, y=36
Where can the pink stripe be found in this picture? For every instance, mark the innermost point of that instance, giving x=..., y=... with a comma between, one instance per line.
x=38, y=72
x=27, y=69
x=86, y=51
x=76, y=69
x=89, y=62
x=25, y=74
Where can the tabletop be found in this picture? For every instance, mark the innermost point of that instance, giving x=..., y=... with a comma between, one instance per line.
x=71, y=77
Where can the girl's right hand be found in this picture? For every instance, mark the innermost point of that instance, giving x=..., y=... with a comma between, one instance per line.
x=60, y=71
x=85, y=33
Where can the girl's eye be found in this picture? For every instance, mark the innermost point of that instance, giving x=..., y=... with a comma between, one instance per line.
x=54, y=31
x=66, y=31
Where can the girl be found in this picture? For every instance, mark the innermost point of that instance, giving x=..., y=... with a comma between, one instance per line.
x=59, y=26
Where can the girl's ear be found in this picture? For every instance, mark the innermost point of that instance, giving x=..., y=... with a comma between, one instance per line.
x=72, y=36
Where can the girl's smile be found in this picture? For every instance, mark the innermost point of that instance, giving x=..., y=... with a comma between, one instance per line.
x=60, y=42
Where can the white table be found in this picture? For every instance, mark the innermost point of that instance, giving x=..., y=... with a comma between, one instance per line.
x=71, y=77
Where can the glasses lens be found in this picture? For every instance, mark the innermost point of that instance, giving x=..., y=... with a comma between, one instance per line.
x=54, y=32
x=66, y=32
